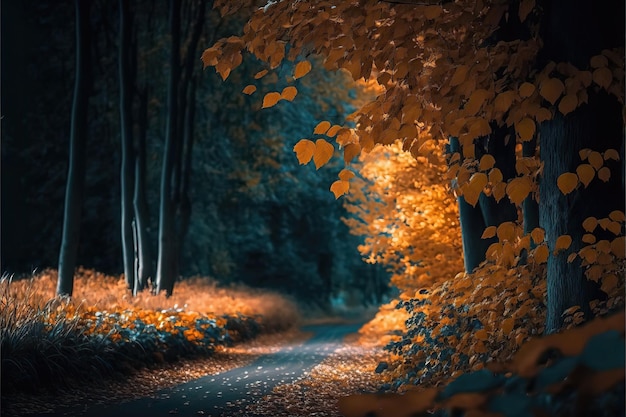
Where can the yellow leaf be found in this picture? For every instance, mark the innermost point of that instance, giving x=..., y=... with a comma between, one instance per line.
x=585, y=173
x=289, y=93
x=562, y=242
x=551, y=89
x=260, y=74
x=249, y=89
x=346, y=174
x=538, y=235
x=618, y=247
x=590, y=224
x=595, y=159
x=518, y=189
x=304, y=150
x=507, y=325
x=541, y=253
x=350, y=151
x=506, y=231
x=489, y=232
x=302, y=69
x=499, y=191
x=568, y=103
x=271, y=99
x=604, y=174
x=339, y=188
x=321, y=127
x=475, y=186
x=504, y=100
x=525, y=129
x=526, y=90
x=323, y=152
x=486, y=162
x=617, y=216
x=525, y=7
x=603, y=77
x=459, y=75
x=567, y=182
x=611, y=154
x=495, y=176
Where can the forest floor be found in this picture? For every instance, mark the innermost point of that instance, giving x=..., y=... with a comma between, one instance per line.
x=347, y=367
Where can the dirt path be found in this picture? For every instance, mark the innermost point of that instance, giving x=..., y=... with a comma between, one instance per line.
x=227, y=393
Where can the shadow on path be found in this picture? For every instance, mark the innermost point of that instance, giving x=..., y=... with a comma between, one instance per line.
x=224, y=394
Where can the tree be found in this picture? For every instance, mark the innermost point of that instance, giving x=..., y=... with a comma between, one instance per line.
x=462, y=70
x=77, y=157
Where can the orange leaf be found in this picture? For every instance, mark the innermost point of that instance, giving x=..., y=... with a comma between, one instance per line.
x=459, y=75
x=474, y=187
x=260, y=74
x=486, y=162
x=567, y=182
x=518, y=189
x=323, y=152
x=609, y=283
x=289, y=93
x=304, y=150
x=350, y=151
x=271, y=99
x=595, y=159
x=525, y=129
x=589, y=238
x=475, y=102
x=526, y=90
x=346, y=174
x=302, y=68
x=599, y=61
x=568, y=103
x=604, y=174
x=507, y=325
x=321, y=128
x=618, y=247
x=603, y=77
x=489, y=232
x=525, y=7
x=339, y=188
x=481, y=334
x=504, y=100
x=249, y=89
x=562, y=242
x=617, y=216
x=506, y=231
x=585, y=173
x=590, y=224
x=495, y=176
x=611, y=154
x=333, y=131
x=432, y=12
x=538, y=235
x=541, y=253
x=584, y=153
x=551, y=89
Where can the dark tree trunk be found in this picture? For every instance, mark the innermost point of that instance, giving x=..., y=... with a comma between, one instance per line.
x=165, y=276
x=126, y=169
x=574, y=31
x=530, y=206
x=78, y=139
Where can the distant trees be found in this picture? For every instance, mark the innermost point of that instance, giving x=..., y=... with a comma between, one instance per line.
x=77, y=154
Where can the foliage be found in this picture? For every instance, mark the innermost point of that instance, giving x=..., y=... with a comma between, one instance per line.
x=48, y=343
x=558, y=375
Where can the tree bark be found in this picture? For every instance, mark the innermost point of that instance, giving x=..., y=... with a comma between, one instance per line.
x=78, y=138
x=126, y=139
x=165, y=276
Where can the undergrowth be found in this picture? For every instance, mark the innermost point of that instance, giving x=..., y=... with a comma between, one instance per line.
x=47, y=343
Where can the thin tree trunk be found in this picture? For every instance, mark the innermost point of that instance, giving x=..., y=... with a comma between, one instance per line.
x=78, y=138
x=164, y=276
x=126, y=169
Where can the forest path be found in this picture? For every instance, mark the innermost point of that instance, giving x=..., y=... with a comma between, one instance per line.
x=226, y=393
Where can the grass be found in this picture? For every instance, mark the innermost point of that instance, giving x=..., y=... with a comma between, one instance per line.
x=49, y=342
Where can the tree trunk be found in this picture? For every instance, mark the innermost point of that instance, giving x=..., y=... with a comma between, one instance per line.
x=78, y=138
x=126, y=169
x=574, y=31
x=165, y=276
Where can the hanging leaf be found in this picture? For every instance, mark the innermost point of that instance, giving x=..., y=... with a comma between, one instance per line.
x=603, y=77
x=599, y=61
x=609, y=283
x=590, y=224
x=249, y=89
x=459, y=76
x=551, y=89
x=589, y=238
x=504, y=100
x=525, y=7
x=289, y=93
x=518, y=189
x=481, y=334
x=562, y=242
x=486, y=162
x=617, y=216
x=271, y=99
x=538, y=235
x=507, y=325
x=541, y=253
x=346, y=174
x=475, y=102
x=333, y=131
x=432, y=12
x=321, y=127
x=604, y=174
x=567, y=182
x=568, y=103
x=585, y=173
x=302, y=69
x=304, y=150
x=339, y=188
x=595, y=159
x=611, y=154
x=260, y=74
x=584, y=153
x=525, y=129
x=489, y=232
x=526, y=90
x=495, y=176
x=323, y=152
x=475, y=186
x=350, y=151
x=618, y=247
x=506, y=231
